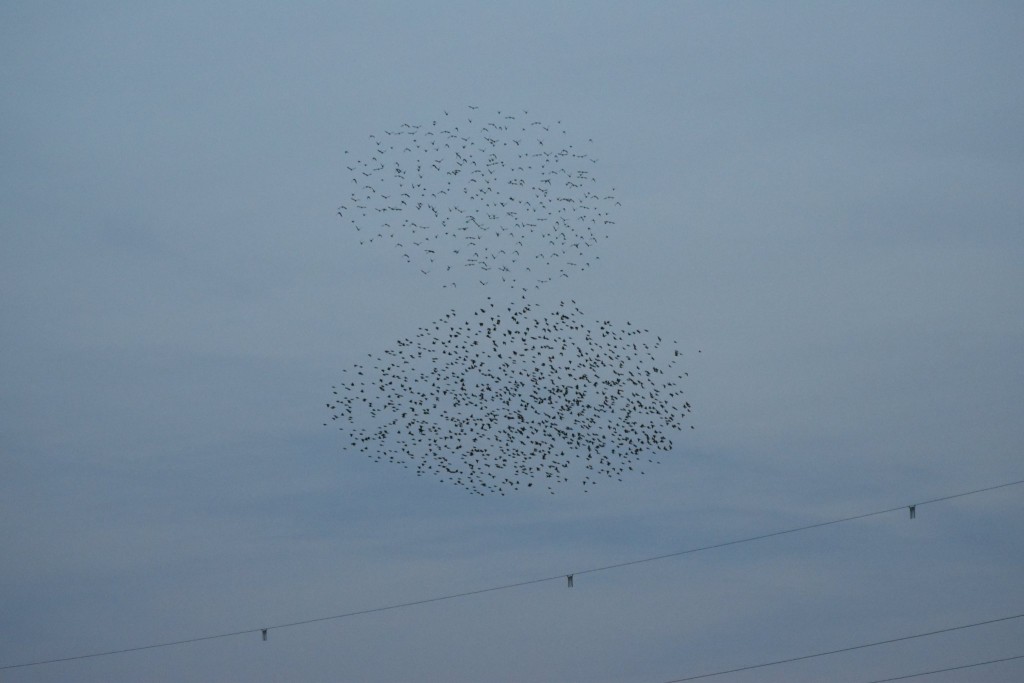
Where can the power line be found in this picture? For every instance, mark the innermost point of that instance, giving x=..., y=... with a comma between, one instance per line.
x=559, y=577
x=797, y=529
x=952, y=668
x=845, y=649
x=968, y=493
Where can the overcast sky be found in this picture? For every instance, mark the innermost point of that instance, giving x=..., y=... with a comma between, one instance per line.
x=824, y=199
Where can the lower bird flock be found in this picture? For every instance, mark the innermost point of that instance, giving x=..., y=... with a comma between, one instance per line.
x=514, y=395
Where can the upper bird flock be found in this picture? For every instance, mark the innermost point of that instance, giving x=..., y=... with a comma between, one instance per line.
x=517, y=393
x=510, y=203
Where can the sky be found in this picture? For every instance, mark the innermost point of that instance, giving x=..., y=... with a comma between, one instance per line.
x=820, y=205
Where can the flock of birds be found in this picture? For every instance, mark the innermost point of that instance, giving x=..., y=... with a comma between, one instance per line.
x=517, y=394
x=513, y=395
x=510, y=202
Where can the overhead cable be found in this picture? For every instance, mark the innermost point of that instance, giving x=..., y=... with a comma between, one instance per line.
x=844, y=649
x=952, y=668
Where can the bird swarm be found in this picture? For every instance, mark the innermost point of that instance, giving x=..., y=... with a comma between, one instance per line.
x=510, y=202
x=514, y=396
x=517, y=394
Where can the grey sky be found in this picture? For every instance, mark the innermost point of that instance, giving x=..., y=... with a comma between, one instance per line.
x=824, y=198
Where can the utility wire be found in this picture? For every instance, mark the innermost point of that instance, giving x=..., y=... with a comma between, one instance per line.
x=559, y=577
x=845, y=649
x=794, y=530
x=952, y=668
